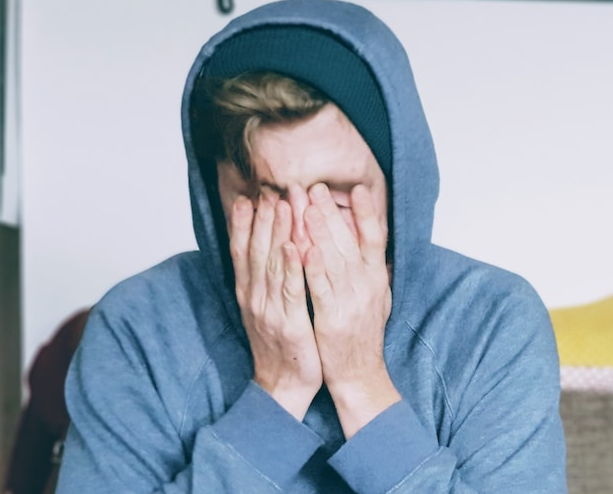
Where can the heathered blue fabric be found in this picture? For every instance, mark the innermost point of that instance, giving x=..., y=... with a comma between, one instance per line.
x=160, y=390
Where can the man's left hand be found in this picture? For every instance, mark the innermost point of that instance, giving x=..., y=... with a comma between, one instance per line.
x=347, y=276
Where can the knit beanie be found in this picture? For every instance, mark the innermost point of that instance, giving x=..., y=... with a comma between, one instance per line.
x=319, y=59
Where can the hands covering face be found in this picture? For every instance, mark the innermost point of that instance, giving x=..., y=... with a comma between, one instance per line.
x=346, y=273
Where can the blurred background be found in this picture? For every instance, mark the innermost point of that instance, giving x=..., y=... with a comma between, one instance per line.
x=93, y=180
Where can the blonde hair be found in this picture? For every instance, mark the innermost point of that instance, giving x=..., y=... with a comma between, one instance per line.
x=241, y=104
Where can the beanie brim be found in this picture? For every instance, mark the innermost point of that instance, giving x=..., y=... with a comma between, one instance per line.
x=319, y=59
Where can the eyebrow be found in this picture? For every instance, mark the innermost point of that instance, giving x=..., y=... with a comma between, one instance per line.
x=279, y=190
x=282, y=191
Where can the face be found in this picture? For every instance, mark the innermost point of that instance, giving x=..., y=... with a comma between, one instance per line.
x=288, y=159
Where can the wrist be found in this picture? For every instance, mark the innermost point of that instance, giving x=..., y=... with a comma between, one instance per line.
x=358, y=403
x=296, y=400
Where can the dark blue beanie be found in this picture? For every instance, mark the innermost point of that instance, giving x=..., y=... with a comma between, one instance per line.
x=318, y=59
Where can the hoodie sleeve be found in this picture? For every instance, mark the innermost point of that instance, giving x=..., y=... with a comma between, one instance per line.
x=125, y=439
x=506, y=436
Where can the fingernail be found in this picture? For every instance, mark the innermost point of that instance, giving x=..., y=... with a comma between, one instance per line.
x=318, y=192
x=359, y=189
x=282, y=209
x=360, y=193
x=242, y=203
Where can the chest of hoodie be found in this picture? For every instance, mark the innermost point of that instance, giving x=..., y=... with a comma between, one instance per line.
x=228, y=368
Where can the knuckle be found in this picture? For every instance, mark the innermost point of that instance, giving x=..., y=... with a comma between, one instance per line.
x=256, y=253
x=255, y=305
x=338, y=269
x=273, y=267
x=237, y=253
x=290, y=291
x=376, y=241
x=380, y=242
x=241, y=297
x=322, y=294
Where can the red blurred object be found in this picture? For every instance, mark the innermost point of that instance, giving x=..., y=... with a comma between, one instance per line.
x=44, y=420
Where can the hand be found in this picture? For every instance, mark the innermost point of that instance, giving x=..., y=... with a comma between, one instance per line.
x=271, y=294
x=349, y=285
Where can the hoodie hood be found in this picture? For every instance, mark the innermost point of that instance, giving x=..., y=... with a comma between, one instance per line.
x=413, y=181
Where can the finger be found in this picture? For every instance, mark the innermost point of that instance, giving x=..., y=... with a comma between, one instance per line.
x=340, y=232
x=372, y=236
x=259, y=246
x=282, y=226
x=240, y=235
x=294, y=291
x=317, y=279
x=332, y=260
x=281, y=231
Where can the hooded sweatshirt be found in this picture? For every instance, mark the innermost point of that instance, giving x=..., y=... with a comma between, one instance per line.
x=160, y=391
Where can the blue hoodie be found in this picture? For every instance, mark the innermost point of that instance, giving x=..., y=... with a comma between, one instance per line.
x=160, y=391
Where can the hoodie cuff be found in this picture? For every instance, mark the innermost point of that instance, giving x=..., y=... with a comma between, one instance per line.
x=267, y=436
x=385, y=451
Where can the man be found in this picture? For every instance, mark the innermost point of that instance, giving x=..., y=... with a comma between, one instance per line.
x=318, y=341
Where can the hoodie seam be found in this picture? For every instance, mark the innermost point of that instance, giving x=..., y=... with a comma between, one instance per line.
x=249, y=464
x=405, y=480
x=438, y=371
x=205, y=363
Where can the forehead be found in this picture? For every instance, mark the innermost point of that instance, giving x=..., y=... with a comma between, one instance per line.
x=323, y=148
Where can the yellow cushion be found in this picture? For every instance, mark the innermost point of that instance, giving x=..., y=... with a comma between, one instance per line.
x=584, y=334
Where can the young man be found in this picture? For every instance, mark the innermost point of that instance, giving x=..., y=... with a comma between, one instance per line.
x=318, y=342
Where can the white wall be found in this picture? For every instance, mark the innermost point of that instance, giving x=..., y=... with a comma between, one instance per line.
x=520, y=101
x=517, y=93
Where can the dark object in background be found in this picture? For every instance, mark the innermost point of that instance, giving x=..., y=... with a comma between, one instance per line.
x=44, y=421
x=225, y=6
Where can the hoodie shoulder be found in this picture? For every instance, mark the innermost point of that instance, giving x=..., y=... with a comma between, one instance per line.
x=169, y=314
x=484, y=324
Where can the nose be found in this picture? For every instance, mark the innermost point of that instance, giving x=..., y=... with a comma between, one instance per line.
x=299, y=200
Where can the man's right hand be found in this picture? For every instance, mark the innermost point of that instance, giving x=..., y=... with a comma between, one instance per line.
x=271, y=293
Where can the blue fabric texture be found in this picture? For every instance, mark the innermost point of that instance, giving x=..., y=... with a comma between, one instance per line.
x=160, y=391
